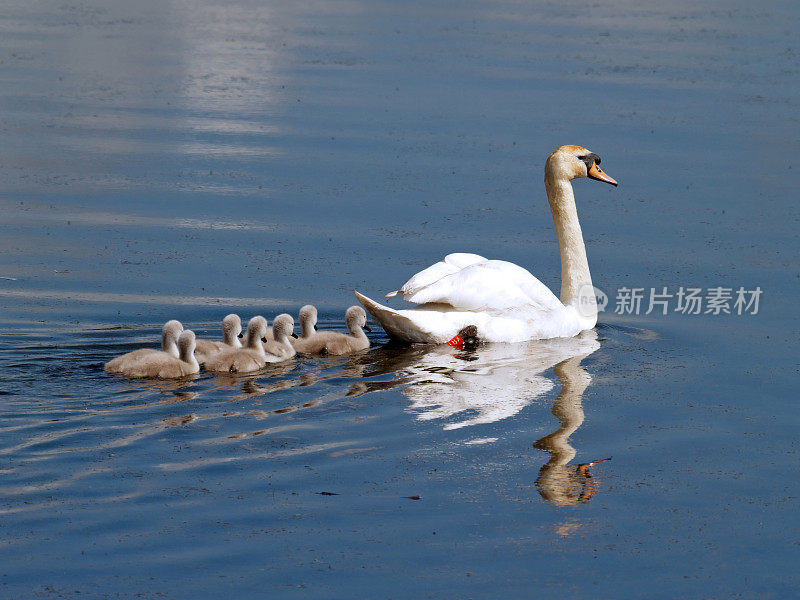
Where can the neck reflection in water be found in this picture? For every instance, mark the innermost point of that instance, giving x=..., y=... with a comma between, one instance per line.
x=559, y=481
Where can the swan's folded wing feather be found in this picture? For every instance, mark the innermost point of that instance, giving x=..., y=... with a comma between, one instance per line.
x=452, y=263
x=493, y=285
x=396, y=324
x=461, y=260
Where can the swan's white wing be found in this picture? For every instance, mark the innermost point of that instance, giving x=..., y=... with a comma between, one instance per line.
x=491, y=285
x=437, y=323
x=452, y=263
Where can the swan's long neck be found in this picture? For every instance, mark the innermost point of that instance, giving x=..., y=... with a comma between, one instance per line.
x=574, y=264
x=231, y=338
x=355, y=329
x=358, y=332
x=169, y=343
x=187, y=355
x=254, y=335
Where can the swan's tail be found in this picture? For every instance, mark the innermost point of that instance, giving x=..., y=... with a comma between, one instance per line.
x=397, y=325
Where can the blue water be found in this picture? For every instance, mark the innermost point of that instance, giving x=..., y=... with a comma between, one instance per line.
x=191, y=159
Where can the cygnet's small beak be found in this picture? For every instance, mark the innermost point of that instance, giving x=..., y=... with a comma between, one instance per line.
x=294, y=335
x=367, y=327
x=597, y=173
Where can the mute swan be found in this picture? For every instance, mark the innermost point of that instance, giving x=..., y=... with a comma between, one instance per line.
x=336, y=343
x=503, y=300
x=308, y=327
x=267, y=336
x=231, y=334
x=169, y=344
x=280, y=348
x=163, y=365
x=243, y=360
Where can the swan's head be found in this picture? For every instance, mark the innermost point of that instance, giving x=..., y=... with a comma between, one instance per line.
x=232, y=330
x=573, y=162
x=308, y=319
x=256, y=331
x=186, y=345
x=172, y=329
x=232, y=325
x=356, y=317
x=283, y=326
x=169, y=337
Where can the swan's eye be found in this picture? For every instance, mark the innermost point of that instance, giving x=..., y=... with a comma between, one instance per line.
x=589, y=159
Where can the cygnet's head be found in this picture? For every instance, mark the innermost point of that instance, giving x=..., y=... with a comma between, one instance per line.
x=232, y=326
x=356, y=317
x=573, y=162
x=283, y=326
x=256, y=331
x=186, y=345
x=308, y=319
x=172, y=328
x=169, y=336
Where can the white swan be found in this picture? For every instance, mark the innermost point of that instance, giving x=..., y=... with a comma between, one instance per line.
x=169, y=344
x=308, y=328
x=336, y=343
x=308, y=321
x=231, y=335
x=162, y=365
x=280, y=347
x=243, y=360
x=503, y=300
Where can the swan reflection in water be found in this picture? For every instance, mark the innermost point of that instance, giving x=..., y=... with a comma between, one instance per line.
x=461, y=388
x=496, y=382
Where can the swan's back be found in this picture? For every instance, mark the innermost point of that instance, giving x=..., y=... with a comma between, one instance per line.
x=344, y=344
x=162, y=365
x=489, y=285
x=169, y=345
x=127, y=361
x=450, y=264
x=208, y=348
x=235, y=360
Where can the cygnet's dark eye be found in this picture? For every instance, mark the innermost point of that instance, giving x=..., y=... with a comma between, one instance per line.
x=240, y=336
x=263, y=339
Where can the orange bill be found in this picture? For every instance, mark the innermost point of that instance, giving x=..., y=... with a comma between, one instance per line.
x=597, y=173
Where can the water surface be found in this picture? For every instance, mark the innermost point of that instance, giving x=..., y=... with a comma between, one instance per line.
x=185, y=159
